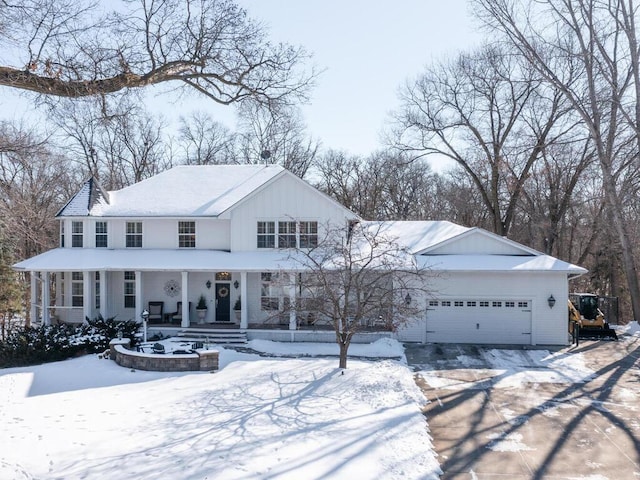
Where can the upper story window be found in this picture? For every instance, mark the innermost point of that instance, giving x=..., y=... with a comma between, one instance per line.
x=62, y=234
x=76, y=234
x=286, y=234
x=291, y=234
x=101, y=235
x=186, y=234
x=308, y=234
x=134, y=235
x=266, y=234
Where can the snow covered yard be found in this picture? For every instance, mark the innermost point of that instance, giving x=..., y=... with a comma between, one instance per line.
x=256, y=418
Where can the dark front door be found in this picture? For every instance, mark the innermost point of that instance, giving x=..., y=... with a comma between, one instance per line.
x=223, y=302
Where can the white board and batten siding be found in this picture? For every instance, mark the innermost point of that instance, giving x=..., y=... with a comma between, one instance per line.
x=288, y=198
x=491, y=308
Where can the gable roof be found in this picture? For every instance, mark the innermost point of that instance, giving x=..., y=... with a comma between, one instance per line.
x=514, y=247
x=185, y=190
x=90, y=195
x=417, y=236
x=428, y=242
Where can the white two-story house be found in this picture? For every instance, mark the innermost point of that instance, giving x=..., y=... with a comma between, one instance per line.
x=222, y=232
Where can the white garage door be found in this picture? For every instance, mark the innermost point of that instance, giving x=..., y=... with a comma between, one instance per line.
x=484, y=321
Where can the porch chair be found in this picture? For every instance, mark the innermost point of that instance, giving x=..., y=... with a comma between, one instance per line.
x=176, y=317
x=155, y=312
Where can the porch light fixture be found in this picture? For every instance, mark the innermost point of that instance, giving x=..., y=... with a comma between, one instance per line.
x=236, y=284
x=208, y=284
x=407, y=300
x=551, y=301
x=145, y=317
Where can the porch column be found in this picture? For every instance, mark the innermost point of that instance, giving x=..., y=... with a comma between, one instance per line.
x=103, y=293
x=292, y=302
x=33, y=307
x=87, y=280
x=186, y=317
x=139, y=305
x=46, y=300
x=244, y=313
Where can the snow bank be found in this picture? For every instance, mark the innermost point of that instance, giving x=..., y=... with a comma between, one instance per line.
x=383, y=348
x=513, y=368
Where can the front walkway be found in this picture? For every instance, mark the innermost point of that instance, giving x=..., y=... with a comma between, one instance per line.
x=488, y=422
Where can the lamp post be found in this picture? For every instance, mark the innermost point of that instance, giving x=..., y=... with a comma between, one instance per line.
x=145, y=317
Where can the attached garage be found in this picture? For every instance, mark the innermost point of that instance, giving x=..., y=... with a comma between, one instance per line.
x=485, y=289
x=479, y=321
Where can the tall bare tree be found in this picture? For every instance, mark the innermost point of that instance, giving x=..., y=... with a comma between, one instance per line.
x=488, y=112
x=275, y=135
x=588, y=50
x=79, y=48
x=118, y=142
x=203, y=141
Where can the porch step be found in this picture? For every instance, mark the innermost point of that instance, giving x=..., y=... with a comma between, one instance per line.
x=215, y=335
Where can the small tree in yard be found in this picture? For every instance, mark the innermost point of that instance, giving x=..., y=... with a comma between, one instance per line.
x=357, y=276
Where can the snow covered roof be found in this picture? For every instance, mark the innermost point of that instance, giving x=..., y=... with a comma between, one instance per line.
x=82, y=202
x=186, y=190
x=498, y=263
x=417, y=236
x=79, y=259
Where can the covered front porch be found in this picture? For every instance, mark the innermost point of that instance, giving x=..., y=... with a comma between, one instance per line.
x=237, y=289
x=240, y=290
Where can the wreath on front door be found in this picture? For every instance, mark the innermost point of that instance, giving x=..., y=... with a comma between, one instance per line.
x=223, y=292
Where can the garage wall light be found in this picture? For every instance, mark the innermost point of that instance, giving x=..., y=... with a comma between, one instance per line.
x=551, y=301
x=407, y=300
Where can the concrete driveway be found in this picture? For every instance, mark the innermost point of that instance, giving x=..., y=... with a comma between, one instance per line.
x=523, y=414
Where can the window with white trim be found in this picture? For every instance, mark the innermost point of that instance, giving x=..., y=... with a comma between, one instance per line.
x=101, y=235
x=129, y=289
x=97, y=296
x=458, y=303
x=134, y=235
x=62, y=234
x=523, y=304
x=484, y=304
x=62, y=290
x=471, y=304
x=266, y=234
x=433, y=303
x=308, y=234
x=77, y=290
x=287, y=235
x=269, y=295
x=510, y=304
x=496, y=304
x=187, y=234
x=446, y=303
x=76, y=234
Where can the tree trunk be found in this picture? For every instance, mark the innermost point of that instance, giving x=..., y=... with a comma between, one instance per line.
x=343, y=355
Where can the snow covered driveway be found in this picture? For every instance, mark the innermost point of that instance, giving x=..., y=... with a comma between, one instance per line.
x=523, y=414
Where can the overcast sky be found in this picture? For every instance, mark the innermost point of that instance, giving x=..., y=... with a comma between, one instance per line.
x=367, y=49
